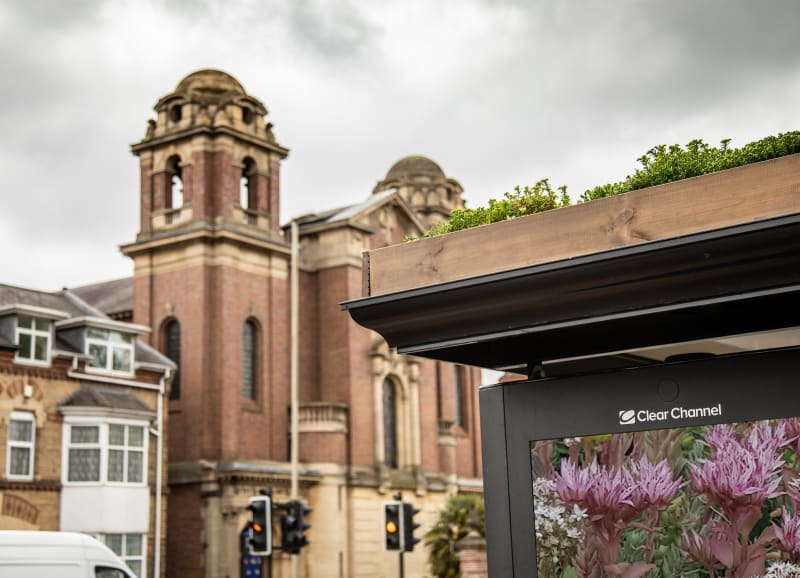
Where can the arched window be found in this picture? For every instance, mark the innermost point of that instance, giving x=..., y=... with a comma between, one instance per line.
x=389, y=423
x=247, y=187
x=458, y=395
x=249, y=359
x=172, y=346
x=174, y=198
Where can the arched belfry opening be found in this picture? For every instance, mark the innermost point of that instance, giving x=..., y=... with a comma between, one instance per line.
x=248, y=195
x=174, y=192
x=210, y=153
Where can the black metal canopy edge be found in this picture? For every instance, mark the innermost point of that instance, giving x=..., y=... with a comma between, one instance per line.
x=728, y=281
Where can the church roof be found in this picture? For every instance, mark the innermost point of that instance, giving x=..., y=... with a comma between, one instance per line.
x=414, y=166
x=350, y=213
x=343, y=213
x=114, y=298
x=207, y=81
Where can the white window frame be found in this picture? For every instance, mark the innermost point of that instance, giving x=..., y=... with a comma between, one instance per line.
x=123, y=554
x=127, y=449
x=34, y=332
x=29, y=445
x=110, y=345
x=104, y=446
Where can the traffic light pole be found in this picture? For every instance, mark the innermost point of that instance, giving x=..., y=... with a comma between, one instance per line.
x=268, y=561
x=399, y=497
x=294, y=370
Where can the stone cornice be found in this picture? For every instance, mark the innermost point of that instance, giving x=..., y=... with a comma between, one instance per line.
x=211, y=131
x=201, y=231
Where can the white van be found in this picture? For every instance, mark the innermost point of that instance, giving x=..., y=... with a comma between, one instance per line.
x=57, y=555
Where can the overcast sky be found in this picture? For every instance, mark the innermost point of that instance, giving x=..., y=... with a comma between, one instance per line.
x=499, y=93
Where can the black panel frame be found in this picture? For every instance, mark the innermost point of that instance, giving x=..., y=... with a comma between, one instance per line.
x=751, y=386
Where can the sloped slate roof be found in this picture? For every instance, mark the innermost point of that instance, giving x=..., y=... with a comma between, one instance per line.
x=111, y=297
x=104, y=397
x=351, y=213
x=147, y=354
x=10, y=295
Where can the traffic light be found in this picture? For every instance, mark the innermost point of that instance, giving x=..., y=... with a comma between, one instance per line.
x=409, y=511
x=293, y=527
x=393, y=525
x=260, y=543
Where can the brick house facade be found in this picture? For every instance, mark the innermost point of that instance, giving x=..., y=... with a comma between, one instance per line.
x=82, y=425
x=211, y=278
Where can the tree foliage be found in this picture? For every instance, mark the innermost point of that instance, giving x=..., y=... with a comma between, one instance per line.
x=661, y=164
x=450, y=527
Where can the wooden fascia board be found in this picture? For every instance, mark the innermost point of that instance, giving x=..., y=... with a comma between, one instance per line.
x=726, y=198
x=496, y=320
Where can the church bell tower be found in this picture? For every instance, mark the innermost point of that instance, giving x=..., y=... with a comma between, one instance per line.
x=211, y=279
x=210, y=267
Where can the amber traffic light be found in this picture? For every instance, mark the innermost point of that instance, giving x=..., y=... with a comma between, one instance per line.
x=260, y=543
x=392, y=520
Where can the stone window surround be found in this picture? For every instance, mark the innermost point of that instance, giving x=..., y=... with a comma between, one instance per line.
x=403, y=371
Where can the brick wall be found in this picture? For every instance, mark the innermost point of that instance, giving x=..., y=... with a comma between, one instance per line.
x=185, y=537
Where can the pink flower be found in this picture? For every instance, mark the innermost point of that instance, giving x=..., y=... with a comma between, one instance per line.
x=653, y=485
x=573, y=483
x=699, y=549
x=743, y=470
x=602, y=492
x=613, y=498
x=788, y=536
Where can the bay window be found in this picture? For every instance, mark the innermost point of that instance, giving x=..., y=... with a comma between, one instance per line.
x=106, y=452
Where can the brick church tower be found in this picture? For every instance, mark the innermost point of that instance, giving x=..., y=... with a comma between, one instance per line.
x=211, y=278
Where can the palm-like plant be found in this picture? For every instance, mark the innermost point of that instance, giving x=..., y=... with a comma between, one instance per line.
x=450, y=527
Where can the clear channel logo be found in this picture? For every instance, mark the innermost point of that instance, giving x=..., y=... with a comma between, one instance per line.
x=632, y=416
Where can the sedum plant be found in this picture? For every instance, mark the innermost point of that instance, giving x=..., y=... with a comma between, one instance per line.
x=702, y=501
x=661, y=164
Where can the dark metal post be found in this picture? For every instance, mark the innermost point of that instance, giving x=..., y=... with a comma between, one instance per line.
x=399, y=497
x=268, y=561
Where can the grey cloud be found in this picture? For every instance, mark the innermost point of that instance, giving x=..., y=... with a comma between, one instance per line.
x=41, y=16
x=331, y=30
x=574, y=91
